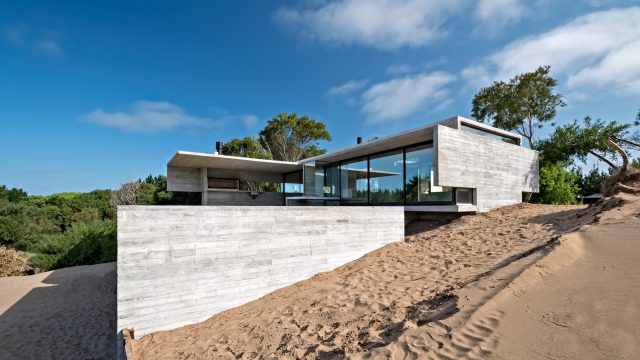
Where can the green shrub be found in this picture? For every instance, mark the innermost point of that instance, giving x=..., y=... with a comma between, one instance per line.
x=557, y=185
x=82, y=244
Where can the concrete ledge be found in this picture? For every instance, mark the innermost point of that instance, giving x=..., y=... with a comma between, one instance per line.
x=461, y=208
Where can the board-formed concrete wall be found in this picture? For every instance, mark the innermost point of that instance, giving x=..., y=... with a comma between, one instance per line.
x=499, y=171
x=238, y=198
x=179, y=265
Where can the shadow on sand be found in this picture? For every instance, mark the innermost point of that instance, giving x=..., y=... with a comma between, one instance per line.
x=72, y=318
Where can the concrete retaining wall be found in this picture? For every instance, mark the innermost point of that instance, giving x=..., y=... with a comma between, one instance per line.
x=179, y=265
x=238, y=198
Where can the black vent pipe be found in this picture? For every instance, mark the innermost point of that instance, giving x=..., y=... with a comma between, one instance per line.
x=219, y=147
x=359, y=140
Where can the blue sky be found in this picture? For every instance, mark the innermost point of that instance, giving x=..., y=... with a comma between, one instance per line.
x=98, y=93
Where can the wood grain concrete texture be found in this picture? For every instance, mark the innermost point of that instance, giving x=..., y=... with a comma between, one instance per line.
x=179, y=265
x=244, y=198
x=499, y=171
x=183, y=179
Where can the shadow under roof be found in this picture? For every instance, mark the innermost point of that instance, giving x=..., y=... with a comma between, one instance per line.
x=188, y=159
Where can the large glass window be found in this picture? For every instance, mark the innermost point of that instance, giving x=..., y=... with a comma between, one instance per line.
x=353, y=181
x=386, y=178
x=332, y=181
x=420, y=175
x=292, y=185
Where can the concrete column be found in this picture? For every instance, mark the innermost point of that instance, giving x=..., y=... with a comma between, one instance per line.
x=204, y=181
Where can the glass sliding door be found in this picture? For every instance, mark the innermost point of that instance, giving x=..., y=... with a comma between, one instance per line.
x=419, y=184
x=354, y=187
x=386, y=178
x=332, y=180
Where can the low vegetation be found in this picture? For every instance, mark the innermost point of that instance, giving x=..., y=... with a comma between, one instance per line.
x=12, y=263
x=69, y=229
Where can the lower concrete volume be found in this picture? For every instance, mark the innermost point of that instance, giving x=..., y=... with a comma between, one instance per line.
x=179, y=265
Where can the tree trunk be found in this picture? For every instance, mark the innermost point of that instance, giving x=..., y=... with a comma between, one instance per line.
x=531, y=145
x=623, y=154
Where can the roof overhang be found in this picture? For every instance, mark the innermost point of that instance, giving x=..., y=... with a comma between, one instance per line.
x=409, y=137
x=186, y=159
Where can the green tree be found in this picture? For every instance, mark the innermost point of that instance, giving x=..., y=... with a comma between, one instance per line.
x=248, y=146
x=13, y=194
x=576, y=140
x=523, y=104
x=289, y=137
x=557, y=185
x=590, y=182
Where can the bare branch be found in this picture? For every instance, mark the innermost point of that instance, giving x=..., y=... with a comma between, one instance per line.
x=603, y=159
x=627, y=141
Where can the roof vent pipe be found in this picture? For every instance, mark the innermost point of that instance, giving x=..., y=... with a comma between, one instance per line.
x=219, y=147
x=359, y=140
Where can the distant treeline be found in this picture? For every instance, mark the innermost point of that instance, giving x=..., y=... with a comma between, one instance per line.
x=70, y=229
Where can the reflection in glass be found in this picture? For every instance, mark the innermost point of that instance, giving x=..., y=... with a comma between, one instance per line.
x=386, y=178
x=292, y=185
x=353, y=181
x=331, y=181
x=419, y=183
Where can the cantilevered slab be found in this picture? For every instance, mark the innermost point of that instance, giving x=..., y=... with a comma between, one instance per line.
x=184, y=170
x=186, y=159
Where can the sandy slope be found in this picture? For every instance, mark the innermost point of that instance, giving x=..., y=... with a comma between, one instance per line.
x=414, y=298
x=579, y=301
x=63, y=314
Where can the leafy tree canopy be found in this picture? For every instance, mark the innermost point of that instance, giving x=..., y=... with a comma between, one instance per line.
x=523, y=104
x=246, y=147
x=557, y=185
x=289, y=137
x=590, y=182
x=576, y=140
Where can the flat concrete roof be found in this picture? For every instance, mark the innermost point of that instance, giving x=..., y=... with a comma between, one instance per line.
x=188, y=159
x=413, y=136
x=420, y=134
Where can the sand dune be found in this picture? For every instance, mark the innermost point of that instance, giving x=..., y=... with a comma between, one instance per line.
x=63, y=314
x=578, y=299
x=436, y=295
x=516, y=283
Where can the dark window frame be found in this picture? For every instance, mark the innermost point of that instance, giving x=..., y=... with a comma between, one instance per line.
x=404, y=201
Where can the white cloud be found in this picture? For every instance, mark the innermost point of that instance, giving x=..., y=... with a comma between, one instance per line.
x=493, y=15
x=399, y=69
x=249, y=121
x=348, y=87
x=383, y=24
x=44, y=40
x=401, y=97
x=50, y=47
x=149, y=117
x=600, y=49
x=15, y=34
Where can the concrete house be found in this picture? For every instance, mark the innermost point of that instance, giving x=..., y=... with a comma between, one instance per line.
x=179, y=265
x=453, y=165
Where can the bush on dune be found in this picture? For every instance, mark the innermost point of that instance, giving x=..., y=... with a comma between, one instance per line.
x=557, y=185
x=11, y=263
x=82, y=244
